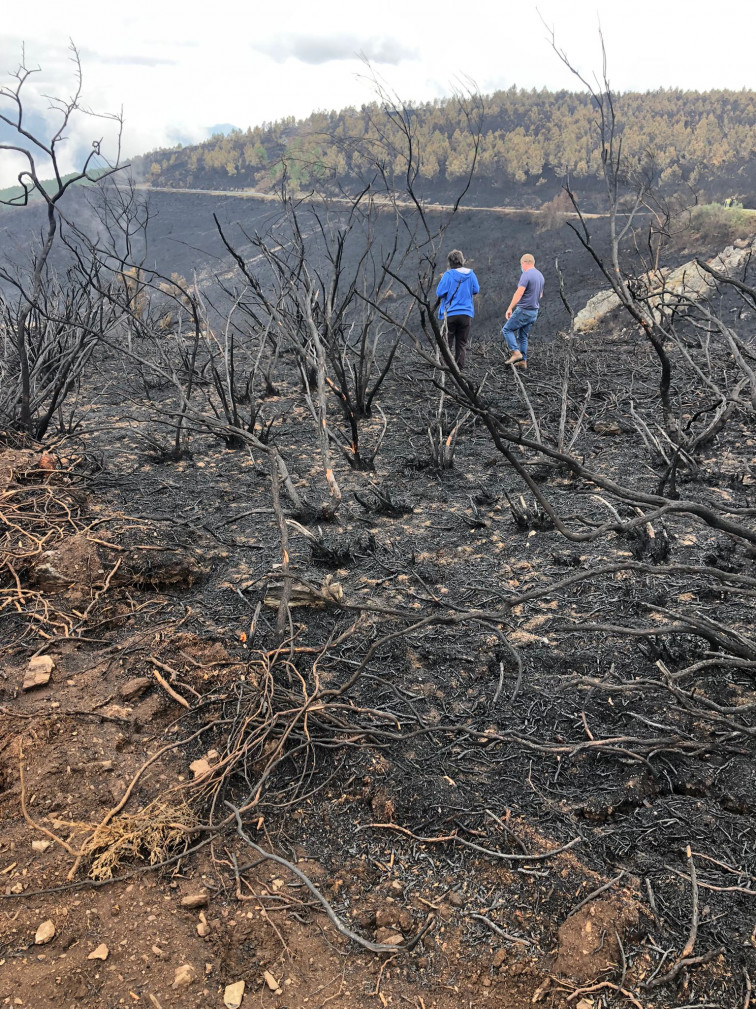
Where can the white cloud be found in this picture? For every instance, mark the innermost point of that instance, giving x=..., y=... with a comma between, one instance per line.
x=175, y=68
x=315, y=49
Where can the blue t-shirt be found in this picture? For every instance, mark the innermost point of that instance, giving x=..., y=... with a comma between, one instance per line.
x=532, y=281
x=456, y=290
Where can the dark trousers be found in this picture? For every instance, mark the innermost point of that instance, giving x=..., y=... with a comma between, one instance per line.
x=458, y=333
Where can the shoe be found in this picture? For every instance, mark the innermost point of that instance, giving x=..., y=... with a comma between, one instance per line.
x=521, y=364
x=516, y=356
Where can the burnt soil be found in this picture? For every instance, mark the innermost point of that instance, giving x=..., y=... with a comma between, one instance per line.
x=500, y=730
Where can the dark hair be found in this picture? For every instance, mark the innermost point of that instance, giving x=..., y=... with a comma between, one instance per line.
x=455, y=258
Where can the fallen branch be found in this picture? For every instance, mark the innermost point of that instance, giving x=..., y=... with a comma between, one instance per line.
x=338, y=924
x=469, y=844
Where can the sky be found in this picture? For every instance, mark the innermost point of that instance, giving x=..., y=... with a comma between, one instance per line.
x=176, y=69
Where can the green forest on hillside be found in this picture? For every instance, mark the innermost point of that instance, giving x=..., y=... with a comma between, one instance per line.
x=683, y=137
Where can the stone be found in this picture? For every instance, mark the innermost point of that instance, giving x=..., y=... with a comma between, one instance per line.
x=134, y=687
x=388, y=937
x=499, y=957
x=457, y=899
x=606, y=427
x=159, y=953
x=40, y=846
x=199, y=767
x=101, y=953
x=233, y=995
x=75, y=562
x=195, y=900
x=664, y=287
x=38, y=672
x=271, y=982
x=45, y=933
x=184, y=975
x=119, y=712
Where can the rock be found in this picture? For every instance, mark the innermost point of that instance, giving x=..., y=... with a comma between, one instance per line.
x=184, y=975
x=101, y=953
x=118, y=711
x=271, y=982
x=606, y=427
x=159, y=953
x=148, y=709
x=134, y=687
x=203, y=929
x=499, y=957
x=38, y=672
x=74, y=563
x=327, y=594
x=199, y=767
x=44, y=933
x=233, y=995
x=40, y=846
x=457, y=899
x=161, y=569
x=665, y=287
x=195, y=900
x=388, y=937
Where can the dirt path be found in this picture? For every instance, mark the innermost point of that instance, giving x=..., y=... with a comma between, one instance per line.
x=252, y=194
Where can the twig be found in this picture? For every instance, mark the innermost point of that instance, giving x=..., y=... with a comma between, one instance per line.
x=476, y=847
x=605, y=984
x=681, y=965
x=501, y=684
x=283, y=606
x=595, y=893
x=167, y=687
x=499, y=931
x=386, y=962
x=507, y=829
x=710, y=886
x=652, y=902
x=689, y=945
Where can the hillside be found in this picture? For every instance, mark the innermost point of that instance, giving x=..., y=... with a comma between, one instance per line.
x=529, y=141
x=497, y=747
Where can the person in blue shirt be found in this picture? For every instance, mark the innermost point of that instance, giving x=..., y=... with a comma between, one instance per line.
x=455, y=292
x=523, y=311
